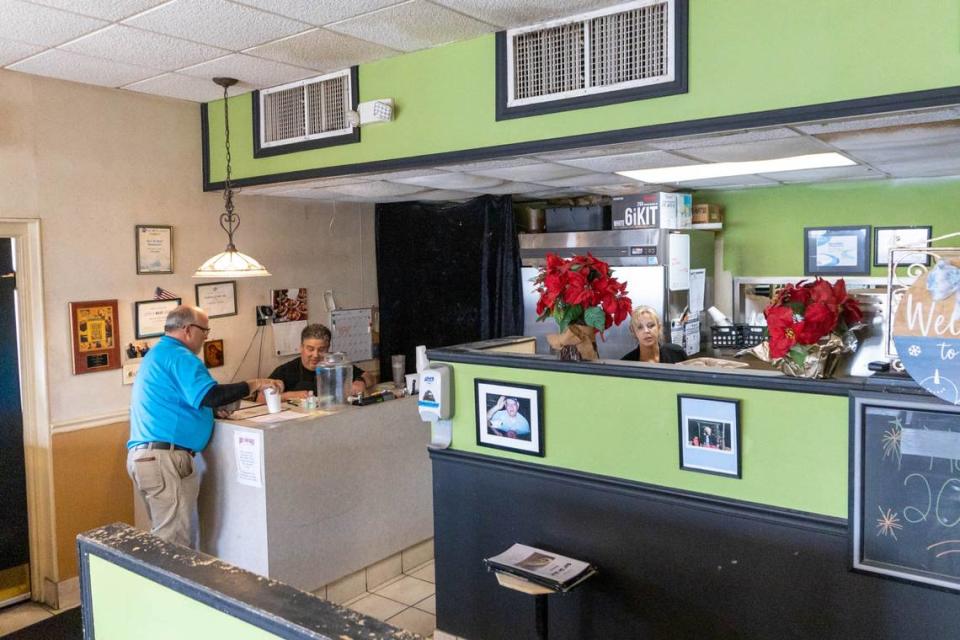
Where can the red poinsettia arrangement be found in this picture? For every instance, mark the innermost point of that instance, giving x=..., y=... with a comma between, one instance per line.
x=581, y=290
x=803, y=313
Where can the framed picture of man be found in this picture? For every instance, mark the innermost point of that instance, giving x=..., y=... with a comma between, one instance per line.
x=93, y=327
x=510, y=416
x=709, y=432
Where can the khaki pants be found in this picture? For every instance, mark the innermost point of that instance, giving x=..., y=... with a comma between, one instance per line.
x=169, y=485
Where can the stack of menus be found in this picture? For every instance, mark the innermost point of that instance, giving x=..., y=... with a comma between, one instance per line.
x=544, y=568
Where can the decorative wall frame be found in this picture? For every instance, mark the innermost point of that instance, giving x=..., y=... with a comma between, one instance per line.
x=709, y=433
x=150, y=315
x=887, y=238
x=510, y=416
x=213, y=353
x=836, y=251
x=218, y=299
x=154, y=244
x=93, y=329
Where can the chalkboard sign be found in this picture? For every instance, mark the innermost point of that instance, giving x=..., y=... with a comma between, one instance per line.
x=905, y=488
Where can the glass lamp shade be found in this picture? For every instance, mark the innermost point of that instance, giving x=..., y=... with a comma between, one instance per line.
x=231, y=264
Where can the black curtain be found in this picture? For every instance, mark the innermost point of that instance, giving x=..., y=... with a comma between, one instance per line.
x=446, y=274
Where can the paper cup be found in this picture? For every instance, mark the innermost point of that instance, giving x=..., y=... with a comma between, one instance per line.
x=273, y=400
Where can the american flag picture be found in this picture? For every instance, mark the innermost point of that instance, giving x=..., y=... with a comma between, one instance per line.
x=163, y=294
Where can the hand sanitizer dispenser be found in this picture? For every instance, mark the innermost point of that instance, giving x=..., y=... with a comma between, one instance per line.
x=435, y=403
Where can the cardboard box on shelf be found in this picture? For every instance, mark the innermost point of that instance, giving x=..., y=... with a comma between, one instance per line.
x=705, y=213
x=652, y=211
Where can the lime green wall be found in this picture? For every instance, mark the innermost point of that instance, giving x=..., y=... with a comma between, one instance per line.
x=794, y=451
x=763, y=228
x=745, y=56
x=129, y=606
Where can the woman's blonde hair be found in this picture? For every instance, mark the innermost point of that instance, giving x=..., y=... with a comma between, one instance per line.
x=644, y=310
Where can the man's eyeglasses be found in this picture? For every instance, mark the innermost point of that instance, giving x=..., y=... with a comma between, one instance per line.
x=205, y=330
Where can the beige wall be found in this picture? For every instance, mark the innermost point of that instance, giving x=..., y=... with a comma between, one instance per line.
x=91, y=163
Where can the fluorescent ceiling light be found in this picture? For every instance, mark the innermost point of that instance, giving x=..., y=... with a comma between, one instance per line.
x=725, y=169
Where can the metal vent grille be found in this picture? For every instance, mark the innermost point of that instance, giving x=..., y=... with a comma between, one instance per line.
x=306, y=110
x=620, y=47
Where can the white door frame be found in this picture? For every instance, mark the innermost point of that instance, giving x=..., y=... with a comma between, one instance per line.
x=44, y=572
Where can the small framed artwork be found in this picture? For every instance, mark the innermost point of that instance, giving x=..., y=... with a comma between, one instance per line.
x=93, y=328
x=154, y=248
x=510, y=416
x=836, y=251
x=886, y=238
x=709, y=430
x=289, y=305
x=213, y=353
x=218, y=299
x=150, y=316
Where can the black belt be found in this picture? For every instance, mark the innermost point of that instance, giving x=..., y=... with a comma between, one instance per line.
x=162, y=445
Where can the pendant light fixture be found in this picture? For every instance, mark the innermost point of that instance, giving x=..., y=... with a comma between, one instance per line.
x=231, y=263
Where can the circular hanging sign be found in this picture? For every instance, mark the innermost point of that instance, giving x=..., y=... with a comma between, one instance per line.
x=926, y=330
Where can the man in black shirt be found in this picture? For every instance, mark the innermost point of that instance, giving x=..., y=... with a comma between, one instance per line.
x=299, y=376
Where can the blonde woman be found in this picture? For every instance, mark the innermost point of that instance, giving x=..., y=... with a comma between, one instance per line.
x=645, y=326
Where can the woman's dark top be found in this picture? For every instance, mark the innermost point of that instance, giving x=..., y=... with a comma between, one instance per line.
x=669, y=353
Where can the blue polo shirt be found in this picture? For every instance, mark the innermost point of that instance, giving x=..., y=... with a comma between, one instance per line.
x=167, y=392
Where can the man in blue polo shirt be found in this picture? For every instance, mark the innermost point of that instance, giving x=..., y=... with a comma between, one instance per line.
x=171, y=418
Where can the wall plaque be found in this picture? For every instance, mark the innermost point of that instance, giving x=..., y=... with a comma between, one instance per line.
x=93, y=327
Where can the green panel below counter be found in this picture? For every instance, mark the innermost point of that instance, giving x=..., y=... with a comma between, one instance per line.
x=794, y=445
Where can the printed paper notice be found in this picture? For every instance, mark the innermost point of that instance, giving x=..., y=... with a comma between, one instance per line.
x=248, y=450
x=698, y=282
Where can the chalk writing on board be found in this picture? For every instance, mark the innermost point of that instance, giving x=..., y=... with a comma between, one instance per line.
x=888, y=523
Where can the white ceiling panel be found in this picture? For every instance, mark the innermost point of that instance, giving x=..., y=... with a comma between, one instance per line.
x=630, y=161
x=174, y=85
x=318, y=183
x=216, y=22
x=763, y=150
x=451, y=181
x=412, y=25
x=66, y=65
x=920, y=167
x=532, y=172
x=374, y=189
x=11, y=51
x=403, y=173
x=445, y=195
x=626, y=189
x=319, y=12
x=508, y=187
x=733, y=182
x=322, y=50
x=589, y=179
x=105, y=9
x=593, y=152
x=253, y=71
x=144, y=48
x=901, y=119
x=33, y=24
x=483, y=165
x=825, y=175
x=716, y=139
x=510, y=13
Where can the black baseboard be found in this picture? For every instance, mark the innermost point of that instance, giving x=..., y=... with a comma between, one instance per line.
x=672, y=565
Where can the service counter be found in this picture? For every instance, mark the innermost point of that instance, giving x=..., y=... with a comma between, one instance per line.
x=337, y=492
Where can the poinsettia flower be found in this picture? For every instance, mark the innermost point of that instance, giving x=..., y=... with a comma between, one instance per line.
x=849, y=308
x=782, y=330
x=818, y=320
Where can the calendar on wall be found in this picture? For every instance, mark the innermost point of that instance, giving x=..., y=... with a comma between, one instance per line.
x=352, y=331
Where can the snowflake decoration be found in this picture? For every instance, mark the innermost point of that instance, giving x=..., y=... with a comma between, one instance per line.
x=891, y=440
x=914, y=350
x=888, y=522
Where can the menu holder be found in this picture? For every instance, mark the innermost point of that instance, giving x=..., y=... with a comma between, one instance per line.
x=538, y=572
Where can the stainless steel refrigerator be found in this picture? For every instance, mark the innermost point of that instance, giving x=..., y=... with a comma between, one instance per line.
x=648, y=260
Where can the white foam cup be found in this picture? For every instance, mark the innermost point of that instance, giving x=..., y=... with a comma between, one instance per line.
x=273, y=399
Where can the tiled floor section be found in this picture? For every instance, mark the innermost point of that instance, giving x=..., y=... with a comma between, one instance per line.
x=407, y=601
x=18, y=616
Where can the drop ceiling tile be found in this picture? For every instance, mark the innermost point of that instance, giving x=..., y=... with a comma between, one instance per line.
x=33, y=24
x=508, y=187
x=532, y=172
x=762, y=150
x=65, y=65
x=256, y=72
x=174, y=85
x=403, y=173
x=445, y=195
x=899, y=143
x=216, y=22
x=105, y=9
x=625, y=189
x=11, y=51
x=825, y=175
x=412, y=25
x=322, y=50
x=550, y=194
x=451, y=181
x=144, y=48
x=482, y=165
x=593, y=152
x=587, y=179
x=904, y=118
x=376, y=189
x=732, y=182
x=300, y=194
x=510, y=13
x=923, y=167
x=315, y=183
x=319, y=12
x=630, y=161
x=717, y=139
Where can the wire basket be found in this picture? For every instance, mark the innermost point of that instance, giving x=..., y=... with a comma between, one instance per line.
x=738, y=336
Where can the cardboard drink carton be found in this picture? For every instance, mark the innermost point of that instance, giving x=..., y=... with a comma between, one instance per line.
x=659, y=210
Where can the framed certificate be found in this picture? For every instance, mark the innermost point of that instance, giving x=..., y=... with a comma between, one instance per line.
x=218, y=299
x=93, y=327
x=886, y=238
x=836, y=251
x=150, y=316
x=154, y=248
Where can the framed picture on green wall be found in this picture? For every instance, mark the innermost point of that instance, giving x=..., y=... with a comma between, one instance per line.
x=886, y=238
x=836, y=251
x=709, y=432
x=510, y=416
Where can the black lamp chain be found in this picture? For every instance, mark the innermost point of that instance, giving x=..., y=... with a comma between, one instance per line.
x=229, y=220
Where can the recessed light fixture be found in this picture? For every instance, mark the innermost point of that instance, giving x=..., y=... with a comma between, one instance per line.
x=725, y=169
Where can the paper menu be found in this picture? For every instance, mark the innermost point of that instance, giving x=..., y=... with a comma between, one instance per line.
x=698, y=282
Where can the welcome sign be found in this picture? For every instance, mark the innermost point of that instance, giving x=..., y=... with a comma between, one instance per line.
x=926, y=329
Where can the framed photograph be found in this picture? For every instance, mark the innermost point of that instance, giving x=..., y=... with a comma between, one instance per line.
x=709, y=430
x=213, y=353
x=886, y=238
x=154, y=248
x=218, y=299
x=903, y=488
x=836, y=251
x=289, y=305
x=510, y=416
x=93, y=328
x=150, y=315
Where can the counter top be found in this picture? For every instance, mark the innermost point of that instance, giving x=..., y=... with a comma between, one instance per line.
x=305, y=415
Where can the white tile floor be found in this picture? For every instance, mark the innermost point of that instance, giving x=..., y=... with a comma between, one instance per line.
x=18, y=616
x=407, y=601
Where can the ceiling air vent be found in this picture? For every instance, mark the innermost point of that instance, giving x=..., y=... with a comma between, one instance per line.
x=633, y=48
x=307, y=110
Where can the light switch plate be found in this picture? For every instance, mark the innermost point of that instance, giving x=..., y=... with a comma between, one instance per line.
x=130, y=372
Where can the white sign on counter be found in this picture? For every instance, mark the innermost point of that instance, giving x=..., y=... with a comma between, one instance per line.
x=248, y=452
